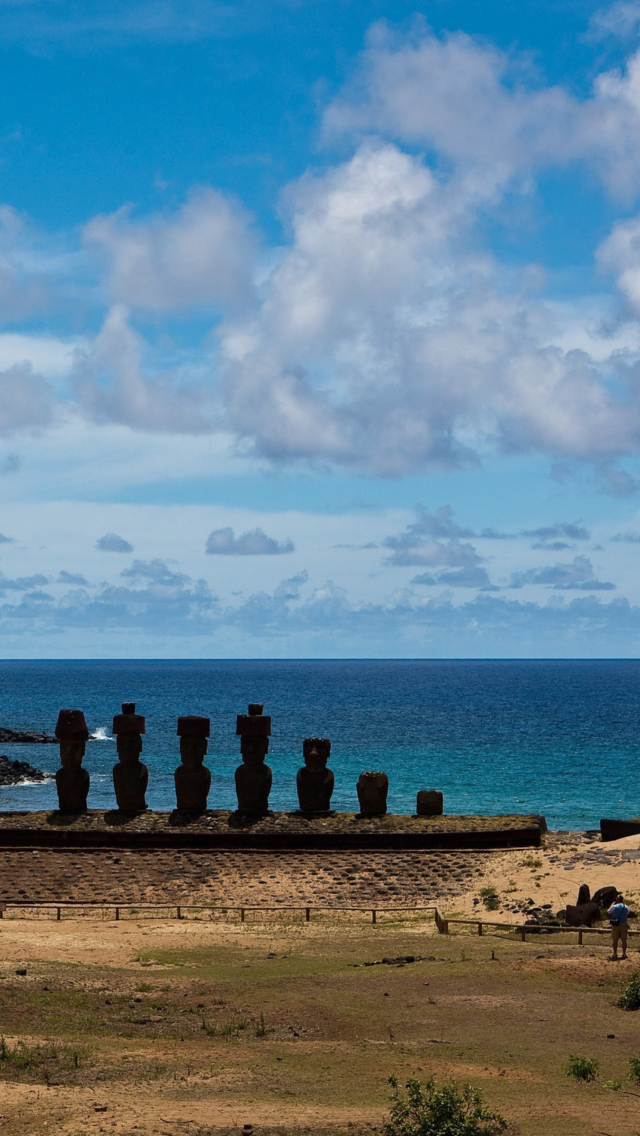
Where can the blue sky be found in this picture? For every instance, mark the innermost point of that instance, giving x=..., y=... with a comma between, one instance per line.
x=319, y=328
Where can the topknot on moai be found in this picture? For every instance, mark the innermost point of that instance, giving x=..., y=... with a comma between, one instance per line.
x=72, y=781
x=373, y=787
x=314, y=781
x=130, y=776
x=192, y=778
x=253, y=777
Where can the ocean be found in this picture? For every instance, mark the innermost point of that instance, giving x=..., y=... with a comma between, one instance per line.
x=542, y=736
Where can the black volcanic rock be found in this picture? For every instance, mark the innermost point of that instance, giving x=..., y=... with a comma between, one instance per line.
x=13, y=772
x=26, y=737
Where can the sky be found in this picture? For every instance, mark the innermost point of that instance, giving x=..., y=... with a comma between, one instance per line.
x=319, y=329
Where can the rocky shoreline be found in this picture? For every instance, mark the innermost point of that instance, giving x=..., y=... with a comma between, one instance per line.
x=25, y=737
x=13, y=772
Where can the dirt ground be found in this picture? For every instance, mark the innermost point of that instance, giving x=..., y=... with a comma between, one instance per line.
x=158, y=1026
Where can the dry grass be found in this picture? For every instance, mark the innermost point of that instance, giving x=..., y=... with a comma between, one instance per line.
x=202, y=1027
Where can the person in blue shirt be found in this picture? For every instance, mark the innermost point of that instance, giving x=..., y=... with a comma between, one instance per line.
x=618, y=917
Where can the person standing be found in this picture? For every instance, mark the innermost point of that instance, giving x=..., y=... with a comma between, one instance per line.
x=619, y=918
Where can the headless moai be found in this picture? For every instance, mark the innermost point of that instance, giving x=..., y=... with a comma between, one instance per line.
x=192, y=778
x=130, y=776
x=72, y=781
x=373, y=787
x=253, y=777
x=314, y=781
x=430, y=803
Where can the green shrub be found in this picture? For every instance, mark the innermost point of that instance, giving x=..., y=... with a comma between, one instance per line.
x=634, y=1069
x=582, y=1068
x=630, y=996
x=490, y=898
x=445, y=1110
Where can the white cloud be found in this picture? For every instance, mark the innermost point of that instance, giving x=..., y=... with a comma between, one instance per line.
x=112, y=385
x=202, y=254
x=26, y=400
x=111, y=542
x=222, y=542
x=486, y=115
x=563, y=577
x=386, y=342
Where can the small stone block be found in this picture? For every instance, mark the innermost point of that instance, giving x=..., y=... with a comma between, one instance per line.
x=254, y=725
x=256, y=708
x=192, y=726
x=430, y=803
x=128, y=724
x=71, y=725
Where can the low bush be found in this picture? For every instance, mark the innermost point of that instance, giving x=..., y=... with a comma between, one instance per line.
x=490, y=898
x=634, y=1069
x=445, y=1110
x=582, y=1068
x=630, y=996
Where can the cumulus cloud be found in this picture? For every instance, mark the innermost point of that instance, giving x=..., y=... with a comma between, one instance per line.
x=156, y=570
x=22, y=583
x=387, y=342
x=563, y=577
x=111, y=542
x=467, y=577
x=5, y=539
x=222, y=542
x=484, y=113
x=620, y=20
x=26, y=401
x=71, y=578
x=627, y=537
x=419, y=543
x=330, y=621
x=202, y=254
x=112, y=384
x=559, y=536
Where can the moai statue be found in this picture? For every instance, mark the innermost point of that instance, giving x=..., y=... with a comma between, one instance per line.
x=130, y=776
x=372, y=793
x=253, y=777
x=430, y=803
x=72, y=781
x=193, y=779
x=314, y=781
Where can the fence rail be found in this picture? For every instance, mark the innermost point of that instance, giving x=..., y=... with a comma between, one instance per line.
x=182, y=910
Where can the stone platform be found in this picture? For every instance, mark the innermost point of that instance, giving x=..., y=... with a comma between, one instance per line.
x=156, y=876
x=224, y=830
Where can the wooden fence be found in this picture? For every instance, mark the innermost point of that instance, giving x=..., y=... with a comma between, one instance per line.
x=187, y=910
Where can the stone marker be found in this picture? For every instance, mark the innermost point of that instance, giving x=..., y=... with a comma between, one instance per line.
x=582, y=915
x=314, y=781
x=253, y=777
x=192, y=778
x=584, y=895
x=72, y=781
x=430, y=803
x=605, y=896
x=130, y=776
x=372, y=793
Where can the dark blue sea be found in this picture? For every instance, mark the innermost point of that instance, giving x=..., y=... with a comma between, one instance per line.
x=555, y=737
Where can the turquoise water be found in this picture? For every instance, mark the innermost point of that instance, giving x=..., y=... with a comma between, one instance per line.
x=557, y=737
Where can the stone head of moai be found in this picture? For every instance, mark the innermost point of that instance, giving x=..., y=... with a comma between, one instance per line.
x=253, y=778
x=316, y=753
x=130, y=776
x=314, y=781
x=128, y=728
x=373, y=787
x=72, y=733
x=72, y=781
x=254, y=729
x=192, y=778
